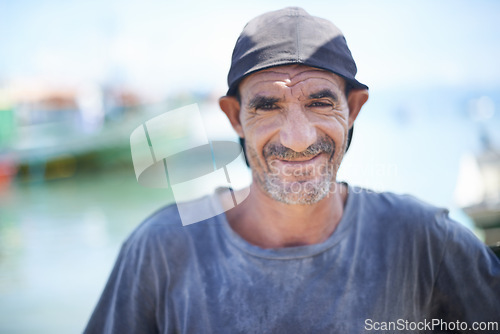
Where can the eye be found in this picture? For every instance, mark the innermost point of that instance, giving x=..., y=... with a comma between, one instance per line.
x=267, y=106
x=320, y=104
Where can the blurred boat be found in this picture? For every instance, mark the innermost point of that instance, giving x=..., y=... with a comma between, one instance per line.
x=48, y=133
x=478, y=186
x=478, y=191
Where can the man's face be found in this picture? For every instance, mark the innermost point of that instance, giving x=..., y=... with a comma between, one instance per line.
x=295, y=121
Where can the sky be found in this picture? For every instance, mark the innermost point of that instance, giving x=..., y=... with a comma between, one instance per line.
x=163, y=47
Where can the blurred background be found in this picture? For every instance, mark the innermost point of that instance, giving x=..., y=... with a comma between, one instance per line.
x=77, y=77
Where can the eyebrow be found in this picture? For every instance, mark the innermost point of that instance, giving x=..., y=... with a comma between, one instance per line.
x=260, y=100
x=324, y=93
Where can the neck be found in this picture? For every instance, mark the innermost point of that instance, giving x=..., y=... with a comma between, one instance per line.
x=267, y=223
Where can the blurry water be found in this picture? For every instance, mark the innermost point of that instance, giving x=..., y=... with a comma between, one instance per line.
x=59, y=239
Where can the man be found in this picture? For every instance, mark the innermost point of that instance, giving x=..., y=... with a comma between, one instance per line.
x=303, y=253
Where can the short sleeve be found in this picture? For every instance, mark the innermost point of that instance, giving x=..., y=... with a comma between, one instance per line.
x=130, y=300
x=467, y=286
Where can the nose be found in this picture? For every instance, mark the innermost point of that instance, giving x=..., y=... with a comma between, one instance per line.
x=297, y=133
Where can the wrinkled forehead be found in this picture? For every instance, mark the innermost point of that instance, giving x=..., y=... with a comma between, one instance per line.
x=291, y=78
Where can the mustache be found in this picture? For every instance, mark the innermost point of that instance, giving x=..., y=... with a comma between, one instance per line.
x=323, y=145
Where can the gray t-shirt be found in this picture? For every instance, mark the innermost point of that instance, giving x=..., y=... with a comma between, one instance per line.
x=392, y=261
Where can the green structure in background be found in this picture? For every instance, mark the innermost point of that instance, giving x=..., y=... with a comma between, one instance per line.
x=7, y=128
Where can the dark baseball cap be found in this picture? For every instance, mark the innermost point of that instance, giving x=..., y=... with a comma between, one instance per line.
x=291, y=36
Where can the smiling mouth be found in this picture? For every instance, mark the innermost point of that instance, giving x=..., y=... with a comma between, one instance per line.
x=305, y=164
x=288, y=156
x=300, y=160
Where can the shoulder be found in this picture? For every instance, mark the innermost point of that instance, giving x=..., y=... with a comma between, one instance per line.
x=395, y=202
x=409, y=225
x=166, y=230
x=396, y=207
x=407, y=217
x=159, y=224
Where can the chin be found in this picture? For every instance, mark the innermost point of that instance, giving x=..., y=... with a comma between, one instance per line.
x=298, y=193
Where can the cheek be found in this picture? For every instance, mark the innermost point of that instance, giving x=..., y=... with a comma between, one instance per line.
x=336, y=129
x=341, y=135
x=255, y=162
x=259, y=133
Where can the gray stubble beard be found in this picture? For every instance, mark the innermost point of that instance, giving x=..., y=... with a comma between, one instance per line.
x=297, y=192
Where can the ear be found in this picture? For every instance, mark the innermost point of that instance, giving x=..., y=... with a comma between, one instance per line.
x=355, y=100
x=231, y=107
